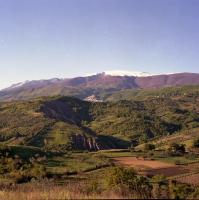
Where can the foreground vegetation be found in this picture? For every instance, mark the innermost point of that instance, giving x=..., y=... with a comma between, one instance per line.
x=115, y=183
x=31, y=173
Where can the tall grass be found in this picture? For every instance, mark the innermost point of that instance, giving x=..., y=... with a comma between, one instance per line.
x=51, y=191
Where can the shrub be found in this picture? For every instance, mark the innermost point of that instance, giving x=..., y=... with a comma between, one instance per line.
x=159, y=178
x=38, y=171
x=191, y=156
x=160, y=187
x=176, y=149
x=119, y=177
x=177, y=162
x=149, y=147
x=180, y=191
x=196, y=143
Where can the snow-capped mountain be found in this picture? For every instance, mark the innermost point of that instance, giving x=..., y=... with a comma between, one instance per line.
x=17, y=85
x=83, y=87
x=127, y=73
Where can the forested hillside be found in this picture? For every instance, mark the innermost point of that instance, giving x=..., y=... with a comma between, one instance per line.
x=61, y=123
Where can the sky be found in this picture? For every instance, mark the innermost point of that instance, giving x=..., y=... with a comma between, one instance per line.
x=41, y=39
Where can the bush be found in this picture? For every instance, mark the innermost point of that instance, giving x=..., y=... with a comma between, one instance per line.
x=149, y=147
x=119, y=177
x=159, y=178
x=177, y=162
x=160, y=187
x=196, y=143
x=180, y=191
x=176, y=149
x=38, y=171
x=191, y=156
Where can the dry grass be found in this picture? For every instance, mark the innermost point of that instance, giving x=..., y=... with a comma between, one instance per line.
x=46, y=191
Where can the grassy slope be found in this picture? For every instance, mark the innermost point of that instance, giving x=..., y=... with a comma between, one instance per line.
x=143, y=94
x=52, y=122
x=184, y=137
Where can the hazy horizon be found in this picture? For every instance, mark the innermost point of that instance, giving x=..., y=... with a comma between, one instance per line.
x=42, y=39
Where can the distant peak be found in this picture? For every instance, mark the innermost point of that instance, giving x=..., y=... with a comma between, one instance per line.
x=127, y=73
x=17, y=85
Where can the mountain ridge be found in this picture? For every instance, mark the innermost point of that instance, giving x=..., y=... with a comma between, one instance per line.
x=83, y=87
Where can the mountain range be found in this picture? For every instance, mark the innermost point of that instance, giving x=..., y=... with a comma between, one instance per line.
x=118, y=110
x=99, y=85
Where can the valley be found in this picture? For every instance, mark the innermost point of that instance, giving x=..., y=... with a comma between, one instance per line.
x=99, y=99
x=65, y=140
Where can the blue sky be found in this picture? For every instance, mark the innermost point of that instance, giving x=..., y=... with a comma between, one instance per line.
x=65, y=38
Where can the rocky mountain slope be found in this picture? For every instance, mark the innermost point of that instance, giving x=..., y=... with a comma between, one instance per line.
x=98, y=85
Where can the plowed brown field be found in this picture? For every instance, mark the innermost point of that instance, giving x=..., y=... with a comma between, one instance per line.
x=141, y=163
x=192, y=179
x=151, y=167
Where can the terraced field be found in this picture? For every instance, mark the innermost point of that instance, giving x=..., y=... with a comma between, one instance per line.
x=192, y=179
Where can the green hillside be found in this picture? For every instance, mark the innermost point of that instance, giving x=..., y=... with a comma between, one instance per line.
x=142, y=94
x=62, y=123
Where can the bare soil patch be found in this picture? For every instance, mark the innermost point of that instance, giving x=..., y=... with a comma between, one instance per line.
x=151, y=167
x=138, y=162
x=168, y=171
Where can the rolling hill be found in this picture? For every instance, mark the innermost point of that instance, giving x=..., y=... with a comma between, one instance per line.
x=62, y=123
